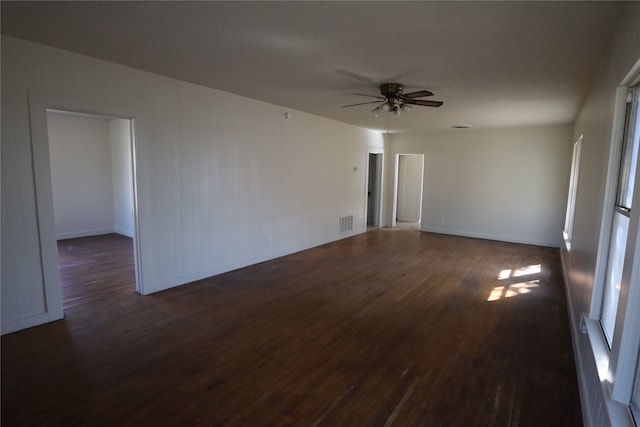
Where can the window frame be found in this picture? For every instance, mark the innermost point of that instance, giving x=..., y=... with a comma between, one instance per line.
x=567, y=233
x=618, y=364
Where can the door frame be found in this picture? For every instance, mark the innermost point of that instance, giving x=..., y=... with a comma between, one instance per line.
x=39, y=103
x=395, y=186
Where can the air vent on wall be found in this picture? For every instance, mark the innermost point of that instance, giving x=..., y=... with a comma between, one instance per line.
x=346, y=223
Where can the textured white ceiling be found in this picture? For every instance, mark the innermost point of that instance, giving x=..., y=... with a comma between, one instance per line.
x=494, y=64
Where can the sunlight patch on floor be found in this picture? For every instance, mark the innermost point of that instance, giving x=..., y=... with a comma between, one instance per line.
x=523, y=271
x=515, y=289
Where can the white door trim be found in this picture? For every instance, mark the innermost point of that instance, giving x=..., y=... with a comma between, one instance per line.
x=39, y=103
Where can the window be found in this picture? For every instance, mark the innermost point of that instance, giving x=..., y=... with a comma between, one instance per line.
x=573, y=191
x=620, y=219
x=612, y=324
x=614, y=319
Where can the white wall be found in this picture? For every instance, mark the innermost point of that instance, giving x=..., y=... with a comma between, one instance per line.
x=595, y=122
x=223, y=181
x=80, y=152
x=120, y=138
x=409, y=187
x=501, y=184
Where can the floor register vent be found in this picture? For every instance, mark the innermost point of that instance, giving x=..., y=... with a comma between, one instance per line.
x=346, y=223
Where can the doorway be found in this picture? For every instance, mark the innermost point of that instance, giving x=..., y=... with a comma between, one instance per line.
x=407, y=206
x=92, y=180
x=375, y=163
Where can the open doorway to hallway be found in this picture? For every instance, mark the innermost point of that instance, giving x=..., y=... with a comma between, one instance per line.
x=92, y=186
x=407, y=207
x=375, y=164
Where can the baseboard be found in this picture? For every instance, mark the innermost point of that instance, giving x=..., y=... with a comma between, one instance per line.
x=577, y=355
x=24, y=323
x=86, y=233
x=475, y=235
x=123, y=232
x=203, y=274
x=617, y=414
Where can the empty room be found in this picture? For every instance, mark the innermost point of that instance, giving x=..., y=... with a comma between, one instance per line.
x=257, y=213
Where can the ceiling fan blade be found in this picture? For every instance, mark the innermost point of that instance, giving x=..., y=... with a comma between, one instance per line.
x=425, y=103
x=370, y=96
x=417, y=94
x=361, y=103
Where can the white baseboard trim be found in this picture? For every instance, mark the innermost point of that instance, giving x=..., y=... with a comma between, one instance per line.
x=123, y=232
x=203, y=274
x=475, y=235
x=24, y=323
x=577, y=355
x=86, y=233
x=618, y=414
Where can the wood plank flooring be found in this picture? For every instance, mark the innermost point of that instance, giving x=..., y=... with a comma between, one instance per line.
x=95, y=268
x=387, y=328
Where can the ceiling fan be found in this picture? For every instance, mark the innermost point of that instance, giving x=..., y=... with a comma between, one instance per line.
x=396, y=102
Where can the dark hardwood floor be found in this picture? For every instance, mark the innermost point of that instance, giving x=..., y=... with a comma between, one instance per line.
x=94, y=269
x=388, y=328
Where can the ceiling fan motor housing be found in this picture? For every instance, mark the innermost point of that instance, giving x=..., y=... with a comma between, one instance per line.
x=391, y=90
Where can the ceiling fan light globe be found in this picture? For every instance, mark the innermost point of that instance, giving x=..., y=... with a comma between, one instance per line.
x=406, y=108
x=385, y=107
